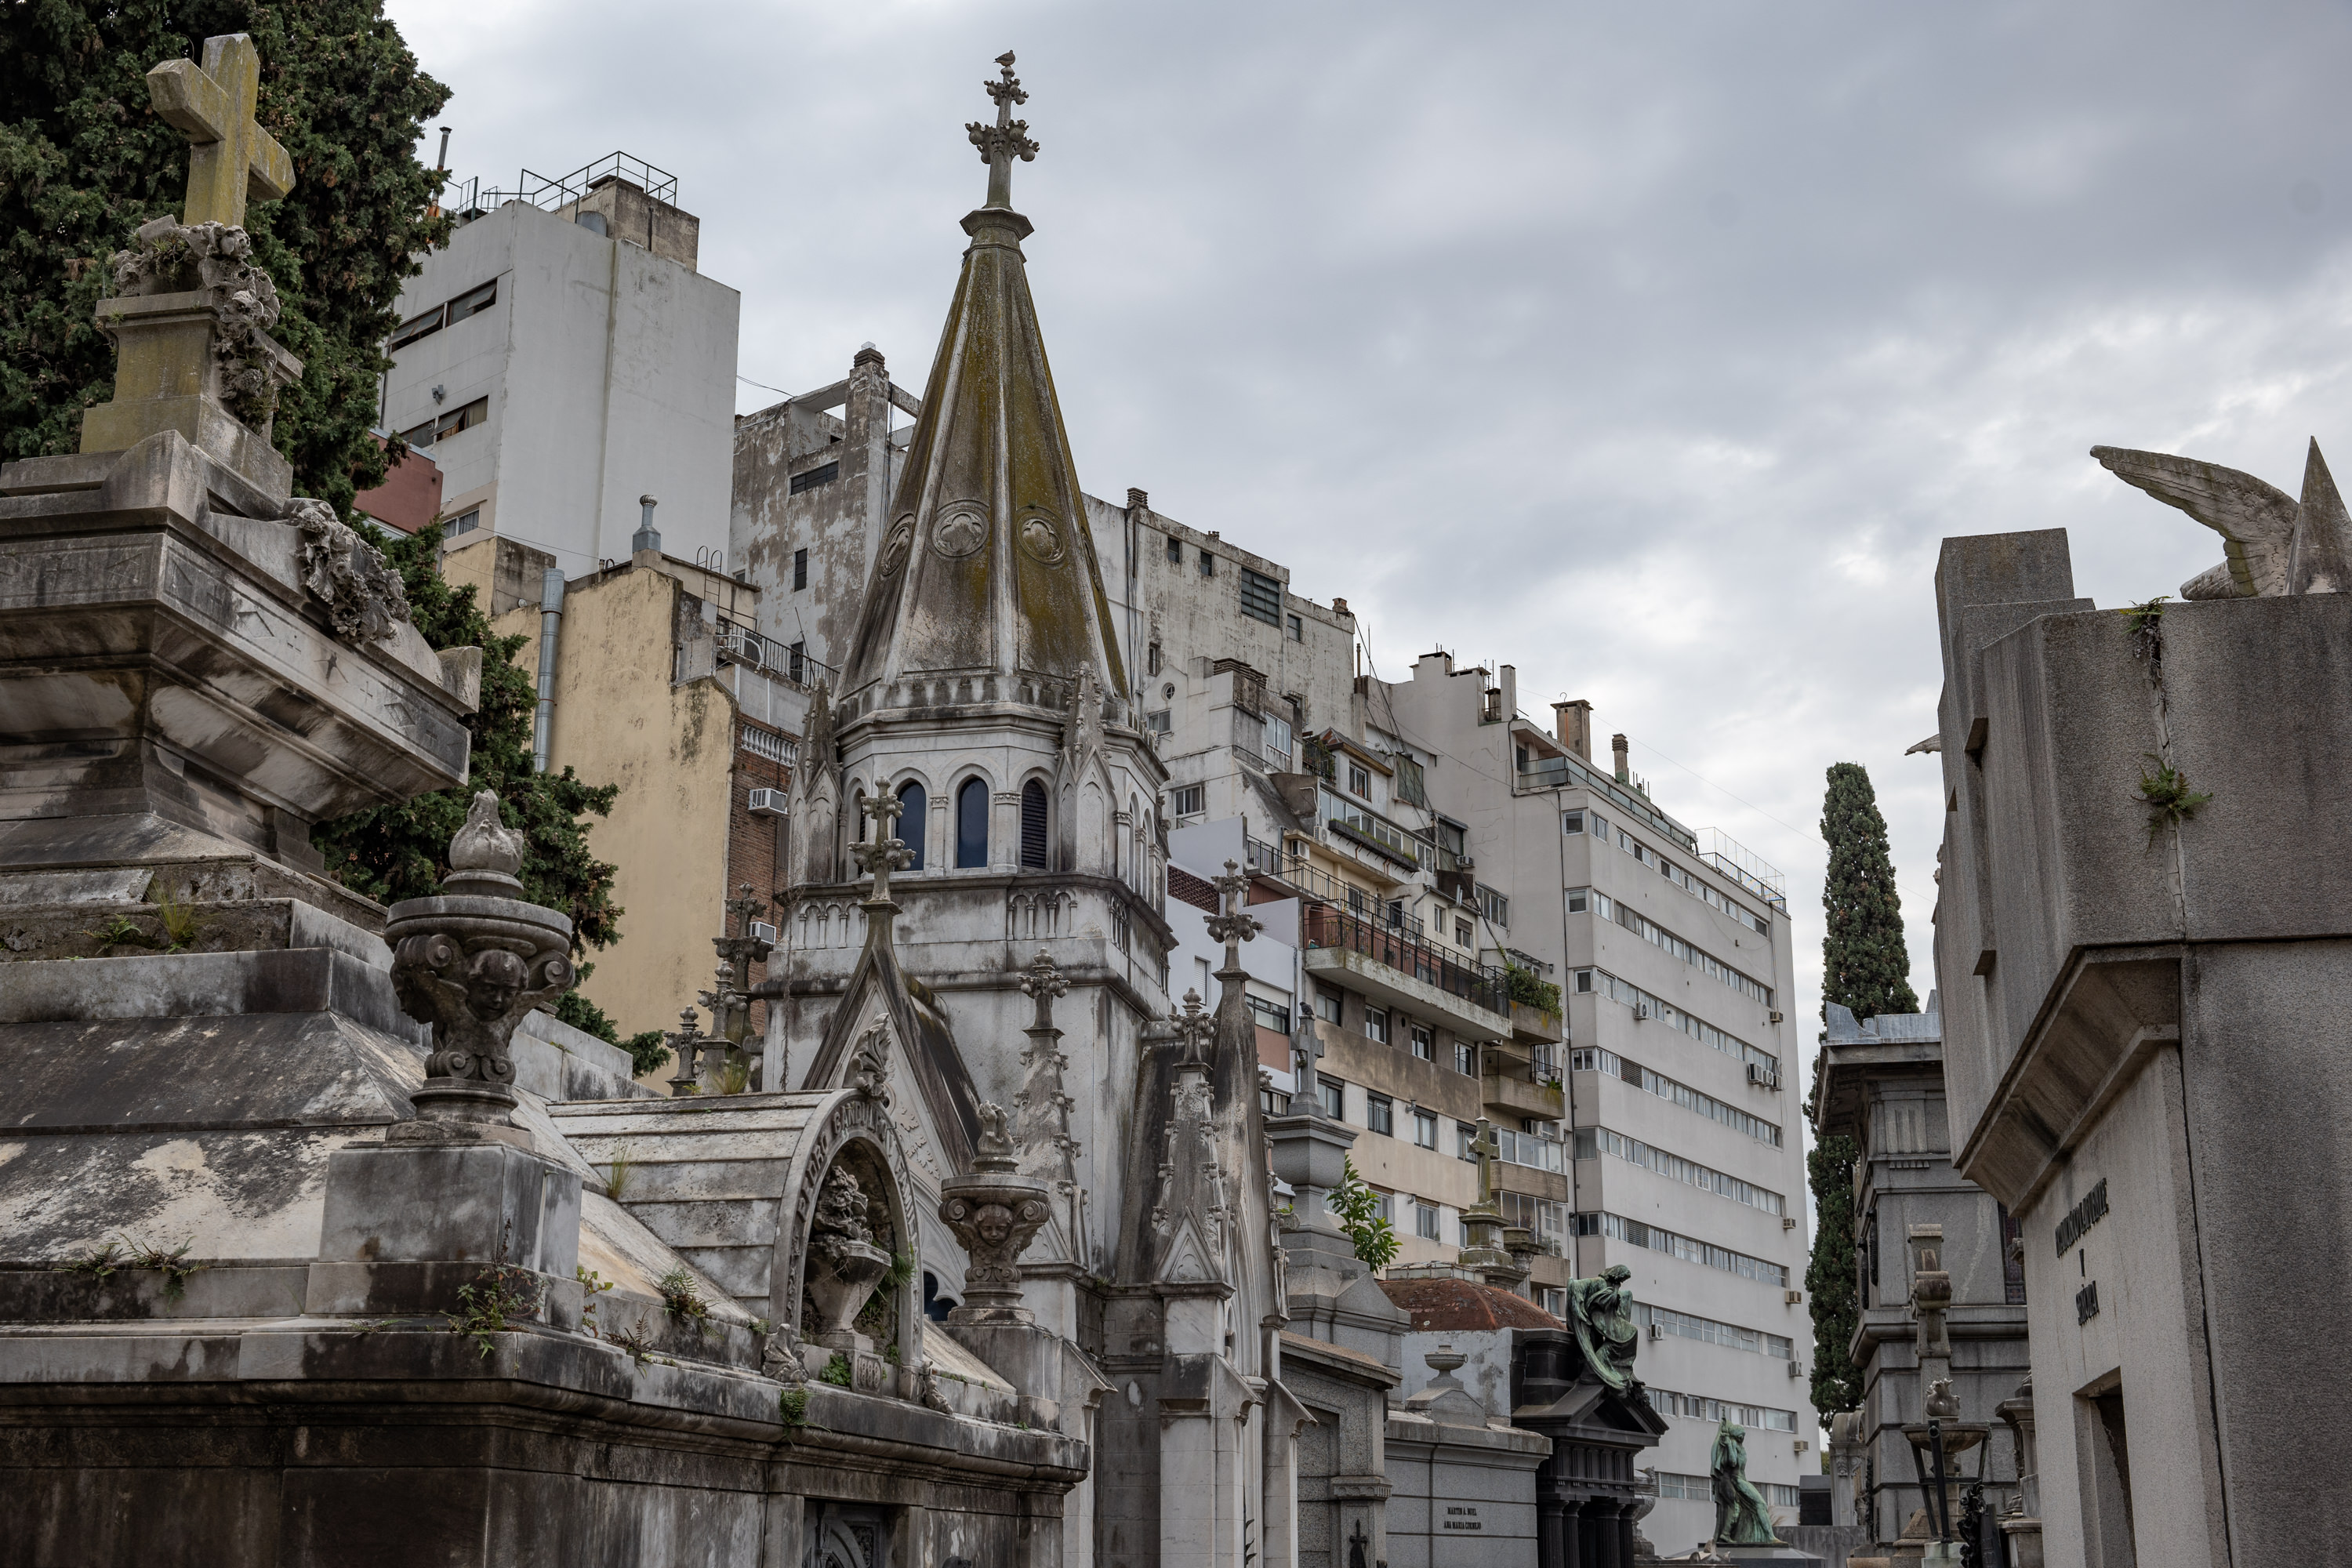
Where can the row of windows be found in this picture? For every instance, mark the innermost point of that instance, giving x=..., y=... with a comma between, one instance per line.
x=1580, y=899
x=1701, y=1489
x=1592, y=1059
x=1706, y=1330
x=1574, y=821
x=970, y=822
x=1261, y=595
x=442, y=426
x=1617, y=1227
x=1528, y=1148
x=1699, y=1407
x=1591, y=1140
x=472, y=302
x=1600, y=982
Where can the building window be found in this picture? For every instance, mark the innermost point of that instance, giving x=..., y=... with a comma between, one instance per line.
x=466, y=524
x=914, y=815
x=1424, y=1129
x=797, y=662
x=1160, y=721
x=1424, y=1043
x=1033, y=826
x=805, y=482
x=424, y=326
x=1335, y=1098
x=1466, y=1058
x=1580, y=899
x=1275, y=1016
x=1326, y=1003
x=474, y=302
x=1297, y=629
x=1380, y=1114
x=1495, y=906
x=1376, y=1025
x=800, y=570
x=1191, y=800
x=1208, y=564
x=1151, y=659
x=1175, y=551
x=1261, y=597
x=1571, y=822
x=857, y=813
x=1360, y=781
x=1597, y=824
x=971, y=823
x=447, y=424
x=1465, y=934
x=1273, y=1102
x=1424, y=1220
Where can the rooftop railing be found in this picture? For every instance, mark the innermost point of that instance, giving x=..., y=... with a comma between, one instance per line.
x=1745, y=866
x=1328, y=927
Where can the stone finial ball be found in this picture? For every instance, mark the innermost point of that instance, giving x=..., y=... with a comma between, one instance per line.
x=486, y=843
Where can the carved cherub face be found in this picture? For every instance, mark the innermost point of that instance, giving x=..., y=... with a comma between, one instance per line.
x=493, y=982
x=993, y=1224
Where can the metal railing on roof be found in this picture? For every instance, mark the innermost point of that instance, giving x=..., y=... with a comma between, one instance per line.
x=552, y=192
x=1745, y=866
x=1568, y=773
x=1325, y=926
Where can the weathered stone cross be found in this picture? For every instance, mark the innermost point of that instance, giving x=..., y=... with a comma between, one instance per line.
x=1233, y=924
x=1486, y=1147
x=1006, y=140
x=212, y=106
x=883, y=856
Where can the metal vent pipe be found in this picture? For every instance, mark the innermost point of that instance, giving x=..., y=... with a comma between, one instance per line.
x=551, y=626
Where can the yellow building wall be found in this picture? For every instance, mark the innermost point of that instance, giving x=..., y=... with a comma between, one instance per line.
x=618, y=720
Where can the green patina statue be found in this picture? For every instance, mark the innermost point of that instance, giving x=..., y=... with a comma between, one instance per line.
x=1742, y=1517
x=1602, y=1312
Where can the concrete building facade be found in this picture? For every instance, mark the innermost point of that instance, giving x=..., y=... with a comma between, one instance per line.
x=560, y=358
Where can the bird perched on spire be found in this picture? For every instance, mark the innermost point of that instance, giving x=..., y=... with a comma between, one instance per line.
x=2275, y=545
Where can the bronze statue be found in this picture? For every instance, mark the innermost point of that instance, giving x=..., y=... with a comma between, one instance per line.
x=1602, y=1312
x=1742, y=1517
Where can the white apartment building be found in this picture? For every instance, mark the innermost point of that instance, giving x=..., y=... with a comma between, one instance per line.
x=1673, y=952
x=562, y=357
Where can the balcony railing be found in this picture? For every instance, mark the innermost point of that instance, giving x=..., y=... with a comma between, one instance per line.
x=1745, y=866
x=1327, y=927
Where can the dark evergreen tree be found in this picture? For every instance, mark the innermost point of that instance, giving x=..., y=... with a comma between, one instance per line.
x=84, y=161
x=1831, y=1286
x=1865, y=965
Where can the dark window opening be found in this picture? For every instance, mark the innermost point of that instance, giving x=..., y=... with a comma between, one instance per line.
x=971, y=823
x=800, y=570
x=914, y=806
x=475, y=413
x=799, y=669
x=1033, y=825
x=1175, y=551
x=2013, y=1258
x=813, y=478
x=1261, y=597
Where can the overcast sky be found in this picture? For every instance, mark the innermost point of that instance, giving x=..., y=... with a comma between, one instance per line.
x=1652, y=349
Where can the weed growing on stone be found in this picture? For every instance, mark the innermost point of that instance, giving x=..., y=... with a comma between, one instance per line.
x=617, y=1171
x=792, y=1406
x=633, y=1342
x=836, y=1371
x=493, y=1297
x=98, y=1262
x=2169, y=797
x=119, y=932
x=171, y=1265
x=179, y=917
x=591, y=1287
x=684, y=1300
x=734, y=1074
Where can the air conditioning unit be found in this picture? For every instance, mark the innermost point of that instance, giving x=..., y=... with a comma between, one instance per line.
x=1788, y=1222
x=1775, y=1016
x=1795, y=1297
x=763, y=932
x=1762, y=1075
x=1657, y=1330
x=768, y=803
x=1642, y=1011
x=1795, y=1370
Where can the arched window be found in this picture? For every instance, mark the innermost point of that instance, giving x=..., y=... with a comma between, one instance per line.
x=972, y=823
x=857, y=811
x=914, y=808
x=1033, y=825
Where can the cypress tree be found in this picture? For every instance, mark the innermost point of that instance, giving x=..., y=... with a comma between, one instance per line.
x=1865, y=965
x=84, y=161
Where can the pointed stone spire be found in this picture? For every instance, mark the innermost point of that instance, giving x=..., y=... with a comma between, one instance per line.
x=986, y=588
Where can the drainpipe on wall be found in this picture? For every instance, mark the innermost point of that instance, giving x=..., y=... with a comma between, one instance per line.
x=551, y=624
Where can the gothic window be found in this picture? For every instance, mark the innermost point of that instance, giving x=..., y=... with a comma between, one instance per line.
x=914, y=811
x=972, y=823
x=857, y=811
x=1033, y=825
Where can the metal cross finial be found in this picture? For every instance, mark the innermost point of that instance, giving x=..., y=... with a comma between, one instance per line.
x=1042, y=981
x=883, y=856
x=212, y=106
x=1233, y=925
x=1006, y=140
x=1192, y=1028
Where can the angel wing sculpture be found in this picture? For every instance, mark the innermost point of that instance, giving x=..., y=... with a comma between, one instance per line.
x=2274, y=544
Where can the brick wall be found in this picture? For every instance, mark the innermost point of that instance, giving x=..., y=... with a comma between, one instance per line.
x=755, y=844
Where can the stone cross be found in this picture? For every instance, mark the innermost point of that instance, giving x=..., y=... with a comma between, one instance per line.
x=1193, y=1030
x=212, y=106
x=1043, y=982
x=883, y=856
x=1006, y=140
x=1485, y=1147
x=1233, y=925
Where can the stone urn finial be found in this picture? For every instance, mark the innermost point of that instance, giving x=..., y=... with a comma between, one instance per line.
x=995, y=1213
x=471, y=961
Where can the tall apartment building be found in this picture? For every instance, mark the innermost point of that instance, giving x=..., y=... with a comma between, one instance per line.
x=1673, y=955
x=560, y=358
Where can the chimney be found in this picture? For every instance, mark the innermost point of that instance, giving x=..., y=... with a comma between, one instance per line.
x=1617, y=744
x=646, y=536
x=1138, y=501
x=1571, y=723
x=1341, y=607
x=867, y=355
x=1509, y=681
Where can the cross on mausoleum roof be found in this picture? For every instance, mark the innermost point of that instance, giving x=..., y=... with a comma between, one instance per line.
x=1006, y=140
x=212, y=105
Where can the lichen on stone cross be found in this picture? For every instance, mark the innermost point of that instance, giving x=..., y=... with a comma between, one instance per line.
x=1233, y=924
x=1006, y=140
x=1193, y=1029
x=881, y=856
x=212, y=105
x=1043, y=982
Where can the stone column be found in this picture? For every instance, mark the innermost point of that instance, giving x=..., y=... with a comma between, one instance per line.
x=1625, y=1536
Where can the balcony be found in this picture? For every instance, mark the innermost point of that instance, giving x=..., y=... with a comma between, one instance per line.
x=1388, y=964
x=1521, y=1093
x=1534, y=1025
